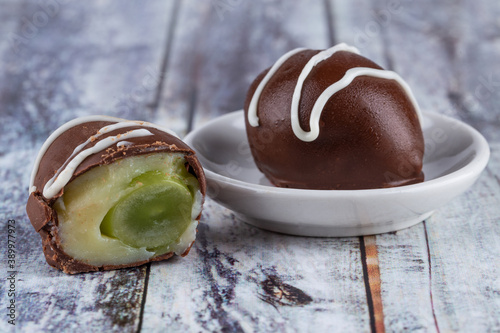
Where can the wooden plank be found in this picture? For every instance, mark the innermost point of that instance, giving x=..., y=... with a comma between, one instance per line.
x=238, y=277
x=477, y=97
x=85, y=59
x=387, y=32
x=404, y=267
x=354, y=24
x=448, y=72
x=371, y=272
x=437, y=71
x=460, y=235
x=465, y=280
x=108, y=68
x=210, y=72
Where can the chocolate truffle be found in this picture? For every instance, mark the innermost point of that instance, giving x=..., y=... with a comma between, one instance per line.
x=108, y=193
x=333, y=119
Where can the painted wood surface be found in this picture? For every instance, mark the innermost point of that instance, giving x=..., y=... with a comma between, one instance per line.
x=181, y=63
x=417, y=285
x=239, y=278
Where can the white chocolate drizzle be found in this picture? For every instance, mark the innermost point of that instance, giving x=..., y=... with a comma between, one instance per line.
x=253, y=118
x=321, y=101
x=124, y=144
x=66, y=171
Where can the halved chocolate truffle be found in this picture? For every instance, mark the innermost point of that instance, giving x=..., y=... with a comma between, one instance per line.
x=333, y=119
x=107, y=193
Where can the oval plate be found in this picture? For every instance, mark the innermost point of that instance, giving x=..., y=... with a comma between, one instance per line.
x=455, y=156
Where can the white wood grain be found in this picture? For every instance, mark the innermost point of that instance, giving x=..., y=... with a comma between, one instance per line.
x=404, y=272
x=400, y=36
x=220, y=46
x=463, y=234
x=96, y=58
x=240, y=278
x=478, y=46
x=464, y=248
x=440, y=74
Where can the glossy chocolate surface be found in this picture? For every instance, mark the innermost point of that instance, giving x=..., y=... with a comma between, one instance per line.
x=370, y=134
x=40, y=209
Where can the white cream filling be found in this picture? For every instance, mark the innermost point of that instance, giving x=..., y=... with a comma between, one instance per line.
x=89, y=197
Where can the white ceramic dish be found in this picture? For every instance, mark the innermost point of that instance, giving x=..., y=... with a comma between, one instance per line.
x=455, y=156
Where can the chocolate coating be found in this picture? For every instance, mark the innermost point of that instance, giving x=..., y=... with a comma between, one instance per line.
x=40, y=209
x=370, y=134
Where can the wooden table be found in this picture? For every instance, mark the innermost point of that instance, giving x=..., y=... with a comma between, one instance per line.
x=181, y=63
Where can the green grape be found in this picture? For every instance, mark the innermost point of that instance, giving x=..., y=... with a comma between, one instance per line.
x=153, y=215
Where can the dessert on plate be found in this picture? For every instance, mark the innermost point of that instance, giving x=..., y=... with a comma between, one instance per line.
x=107, y=193
x=334, y=119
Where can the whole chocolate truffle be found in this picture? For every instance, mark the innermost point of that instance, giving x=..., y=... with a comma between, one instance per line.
x=333, y=119
x=107, y=193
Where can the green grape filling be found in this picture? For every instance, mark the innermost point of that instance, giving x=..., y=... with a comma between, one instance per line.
x=131, y=210
x=154, y=214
